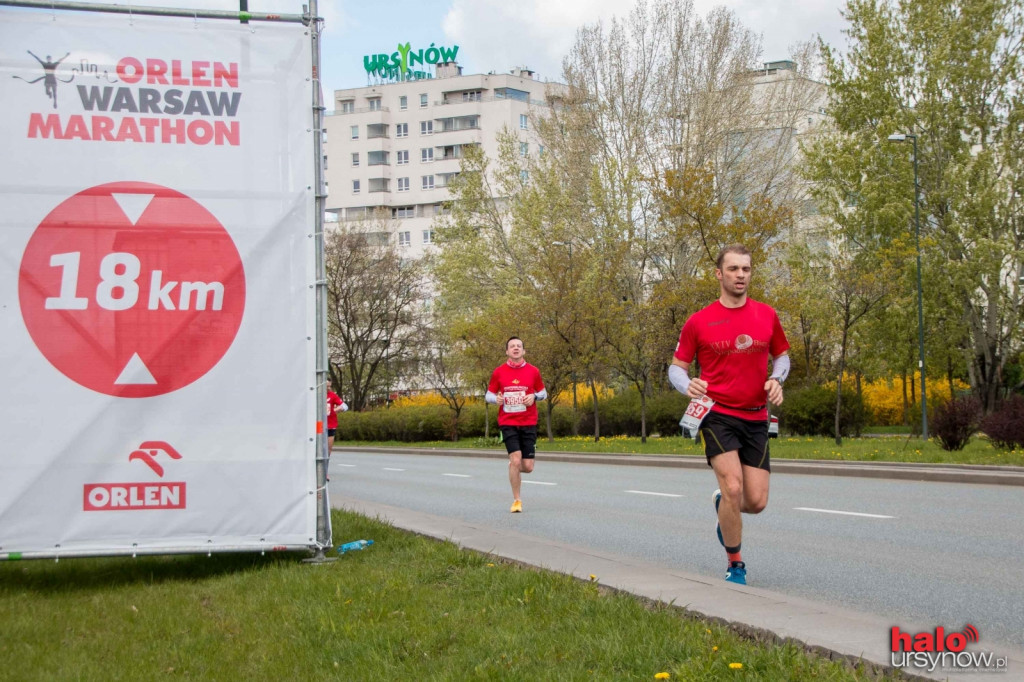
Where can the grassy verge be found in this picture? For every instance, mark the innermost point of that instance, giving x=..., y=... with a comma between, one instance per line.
x=405, y=608
x=883, y=449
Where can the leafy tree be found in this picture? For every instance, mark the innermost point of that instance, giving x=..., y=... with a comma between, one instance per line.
x=372, y=299
x=948, y=72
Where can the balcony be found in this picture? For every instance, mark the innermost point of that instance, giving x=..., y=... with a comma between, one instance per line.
x=357, y=110
x=375, y=131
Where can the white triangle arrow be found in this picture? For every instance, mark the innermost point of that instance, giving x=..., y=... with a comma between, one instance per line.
x=135, y=373
x=133, y=204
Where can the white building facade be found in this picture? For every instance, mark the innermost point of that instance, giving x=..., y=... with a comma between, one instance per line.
x=392, y=149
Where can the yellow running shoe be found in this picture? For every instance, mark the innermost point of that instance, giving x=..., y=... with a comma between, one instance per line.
x=517, y=507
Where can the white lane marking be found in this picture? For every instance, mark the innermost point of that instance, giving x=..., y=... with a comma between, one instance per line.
x=845, y=513
x=539, y=483
x=648, y=492
x=391, y=469
x=458, y=475
x=344, y=465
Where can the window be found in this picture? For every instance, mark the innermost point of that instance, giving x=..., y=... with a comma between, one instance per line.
x=403, y=212
x=524, y=148
x=375, y=104
x=523, y=122
x=428, y=236
x=511, y=93
x=540, y=149
x=402, y=130
x=355, y=158
x=378, y=158
x=423, y=99
x=355, y=187
x=404, y=238
x=355, y=132
x=426, y=154
x=428, y=182
x=403, y=102
x=524, y=176
x=470, y=96
x=325, y=162
x=402, y=157
x=348, y=106
x=426, y=127
x=403, y=184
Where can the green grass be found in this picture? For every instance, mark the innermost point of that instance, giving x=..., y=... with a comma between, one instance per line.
x=406, y=608
x=882, y=449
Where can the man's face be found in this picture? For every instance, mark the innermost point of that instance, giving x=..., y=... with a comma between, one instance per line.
x=734, y=274
x=514, y=350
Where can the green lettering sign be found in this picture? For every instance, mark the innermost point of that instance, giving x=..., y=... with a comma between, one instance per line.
x=398, y=66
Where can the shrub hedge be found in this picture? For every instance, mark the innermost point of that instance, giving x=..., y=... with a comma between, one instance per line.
x=811, y=411
x=954, y=422
x=808, y=411
x=1005, y=426
x=620, y=415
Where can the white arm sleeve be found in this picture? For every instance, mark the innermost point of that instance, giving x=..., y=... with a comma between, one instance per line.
x=780, y=368
x=343, y=407
x=491, y=397
x=541, y=394
x=679, y=378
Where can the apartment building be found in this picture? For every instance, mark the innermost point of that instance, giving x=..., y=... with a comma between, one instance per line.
x=394, y=148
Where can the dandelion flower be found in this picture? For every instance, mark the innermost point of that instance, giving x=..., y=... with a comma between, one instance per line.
x=714, y=648
x=491, y=565
x=736, y=666
x=662, y=676
x=593, y=577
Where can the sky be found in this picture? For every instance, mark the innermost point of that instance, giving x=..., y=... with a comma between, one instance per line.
x=498, y=35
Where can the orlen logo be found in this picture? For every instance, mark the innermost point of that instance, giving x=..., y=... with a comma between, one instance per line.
x=132, y=496
x=940, y=649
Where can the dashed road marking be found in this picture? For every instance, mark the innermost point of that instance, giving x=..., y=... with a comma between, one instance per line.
x=648, y=492
x=844, y=513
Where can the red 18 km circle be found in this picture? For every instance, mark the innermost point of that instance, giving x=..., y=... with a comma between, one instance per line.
x=132, y=289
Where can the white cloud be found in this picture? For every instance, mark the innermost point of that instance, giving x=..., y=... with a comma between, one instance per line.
x=498, y=35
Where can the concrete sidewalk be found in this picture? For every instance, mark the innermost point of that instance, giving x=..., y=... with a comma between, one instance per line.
x=945, y=473
x=766, y=616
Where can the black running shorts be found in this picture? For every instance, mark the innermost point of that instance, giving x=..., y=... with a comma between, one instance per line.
x=522, y=438
x=724, y=433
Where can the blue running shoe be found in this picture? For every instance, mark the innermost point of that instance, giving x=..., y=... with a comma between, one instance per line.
x=717, y=498
x=737, y=573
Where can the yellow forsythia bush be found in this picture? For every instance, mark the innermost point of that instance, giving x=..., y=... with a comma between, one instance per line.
x=884, y=397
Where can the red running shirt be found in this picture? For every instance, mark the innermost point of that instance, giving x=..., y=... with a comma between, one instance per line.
x=333, y=401
x=732, y=346
x=515, y=383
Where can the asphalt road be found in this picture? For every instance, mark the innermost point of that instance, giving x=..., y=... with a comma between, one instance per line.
x=942, y=553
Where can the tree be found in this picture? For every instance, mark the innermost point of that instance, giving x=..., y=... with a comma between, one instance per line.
x=949, y=73
x=849, y=284
x=445, y=367
x=372, y=298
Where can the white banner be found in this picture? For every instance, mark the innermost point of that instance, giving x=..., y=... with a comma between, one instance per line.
x=156, y=270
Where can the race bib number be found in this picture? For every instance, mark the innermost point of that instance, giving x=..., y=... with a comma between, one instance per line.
x=695, y=413
x=515, y=402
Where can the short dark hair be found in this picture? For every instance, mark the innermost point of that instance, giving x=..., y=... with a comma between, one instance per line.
x=513, y=338
x=732, y=248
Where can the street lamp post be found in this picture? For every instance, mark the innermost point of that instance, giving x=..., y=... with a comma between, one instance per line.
x=901, y=137
x=572, y=348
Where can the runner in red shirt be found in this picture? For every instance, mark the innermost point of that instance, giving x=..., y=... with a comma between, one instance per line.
x=732, y=340
x=334, y=405
x=516, y=386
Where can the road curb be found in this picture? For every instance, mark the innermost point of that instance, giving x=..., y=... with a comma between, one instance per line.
x=938, y=473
